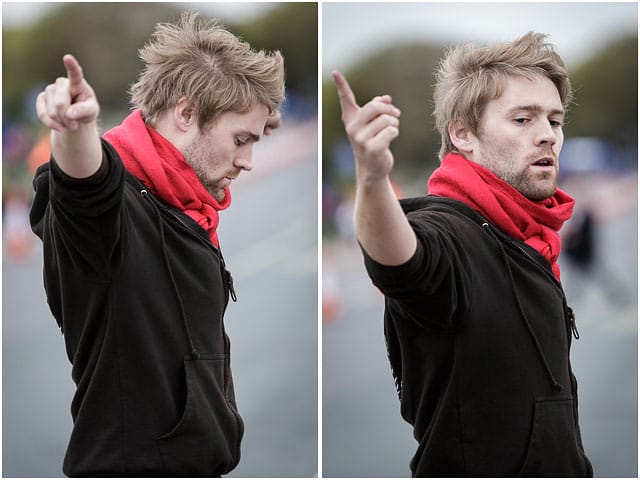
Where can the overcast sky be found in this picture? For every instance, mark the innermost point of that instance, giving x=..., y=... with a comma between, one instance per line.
x=16, y=14
x=354, y=30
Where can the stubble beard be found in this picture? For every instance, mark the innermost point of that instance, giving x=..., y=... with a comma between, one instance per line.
x=219, y=194
x=216, y=192
x=194, y=152
x=536, y=186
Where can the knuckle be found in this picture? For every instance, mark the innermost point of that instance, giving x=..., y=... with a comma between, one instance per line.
x=351, y=130
x=391, y=120
x=59, y=103
x=369, y=108
x=385, y=121
x=372, y=148
x=360, y=138
x=390, y=133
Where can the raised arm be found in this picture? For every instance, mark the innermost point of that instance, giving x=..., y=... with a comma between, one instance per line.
x=380, y=224
x=70, y=109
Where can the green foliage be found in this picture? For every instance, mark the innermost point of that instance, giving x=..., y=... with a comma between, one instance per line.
x=106, y=37
x=291, y=28
x=405, y=73
x=606, y=94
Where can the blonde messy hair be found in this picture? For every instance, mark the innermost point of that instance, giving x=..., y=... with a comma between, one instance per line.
x=210, y=66
x=468, y=77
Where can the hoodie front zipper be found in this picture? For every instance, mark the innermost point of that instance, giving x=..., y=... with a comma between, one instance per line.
x=226, y=273
x=490, y=228
x=546, y=271
x=569, y=316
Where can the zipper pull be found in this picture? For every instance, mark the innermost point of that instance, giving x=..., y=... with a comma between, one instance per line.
x=572, y=323
x=232, y=291
x=227, y=274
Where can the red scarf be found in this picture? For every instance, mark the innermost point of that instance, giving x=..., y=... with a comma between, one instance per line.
x=154, y=161
x=535, y=223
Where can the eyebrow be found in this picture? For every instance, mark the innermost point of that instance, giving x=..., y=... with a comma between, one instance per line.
x=253, y=136
x=536, y=109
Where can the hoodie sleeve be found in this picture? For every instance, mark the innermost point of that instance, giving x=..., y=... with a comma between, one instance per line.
x=431, y=288
x=82, y=220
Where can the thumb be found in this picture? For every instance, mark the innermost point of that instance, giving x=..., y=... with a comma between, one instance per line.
x=74, y=72
x=347, y=99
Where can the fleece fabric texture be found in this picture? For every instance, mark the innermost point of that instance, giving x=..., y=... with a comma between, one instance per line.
x=139, y=292
x=478, y=332
x=535, y=223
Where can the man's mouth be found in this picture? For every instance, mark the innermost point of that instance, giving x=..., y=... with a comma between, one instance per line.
x=545, y=162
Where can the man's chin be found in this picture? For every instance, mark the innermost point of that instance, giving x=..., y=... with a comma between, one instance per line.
x=540, y=194
x=539, y=188
x=219, y=194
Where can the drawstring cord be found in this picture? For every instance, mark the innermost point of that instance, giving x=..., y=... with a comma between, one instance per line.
x=194, y=352
x=554, y=383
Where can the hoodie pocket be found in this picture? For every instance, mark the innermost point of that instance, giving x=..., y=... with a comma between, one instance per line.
x=553, y=449
x=206, y=440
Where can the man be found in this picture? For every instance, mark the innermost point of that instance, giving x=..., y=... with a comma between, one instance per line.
x=133, y=270
x=477, y=324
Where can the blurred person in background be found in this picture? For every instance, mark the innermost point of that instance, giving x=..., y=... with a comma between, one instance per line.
x=477, y=325
x=133, y=270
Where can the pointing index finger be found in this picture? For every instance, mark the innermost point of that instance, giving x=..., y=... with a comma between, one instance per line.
x=74, y=70
x=346, y=97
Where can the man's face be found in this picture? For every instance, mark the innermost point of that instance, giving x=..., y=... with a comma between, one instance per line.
x=520, y=135
x=222, y=150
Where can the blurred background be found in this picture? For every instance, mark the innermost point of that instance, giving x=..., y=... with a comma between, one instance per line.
x=269, y=241
x=393, y=48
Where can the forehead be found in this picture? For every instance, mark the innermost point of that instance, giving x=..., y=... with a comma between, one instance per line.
x=517, y=91
x=251, y=121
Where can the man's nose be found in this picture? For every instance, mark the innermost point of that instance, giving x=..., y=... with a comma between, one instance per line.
x=546, y=135
x=245, y=161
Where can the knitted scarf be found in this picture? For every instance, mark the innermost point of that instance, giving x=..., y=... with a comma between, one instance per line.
x=154, y=161
x=535, y=223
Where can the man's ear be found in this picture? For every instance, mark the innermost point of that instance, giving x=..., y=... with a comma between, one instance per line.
x=184, y=114
x=461, y=137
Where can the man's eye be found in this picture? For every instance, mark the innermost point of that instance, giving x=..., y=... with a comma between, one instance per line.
x=555, y=123
x=521, y=120
x=239, y=142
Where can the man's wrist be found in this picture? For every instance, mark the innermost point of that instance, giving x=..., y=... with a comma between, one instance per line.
x=371, y=181
x=78, y=152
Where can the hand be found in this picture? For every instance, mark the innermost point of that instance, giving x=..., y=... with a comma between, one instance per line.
x=370, y=129
x=69, y=102
x=273, y=121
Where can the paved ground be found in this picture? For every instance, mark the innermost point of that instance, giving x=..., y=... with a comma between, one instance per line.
x=363, y=433
x=269, y=237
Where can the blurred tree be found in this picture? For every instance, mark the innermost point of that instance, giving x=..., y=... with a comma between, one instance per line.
x=291, y=28
x=406, y=73
x=105, y=37
x=606, y=94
